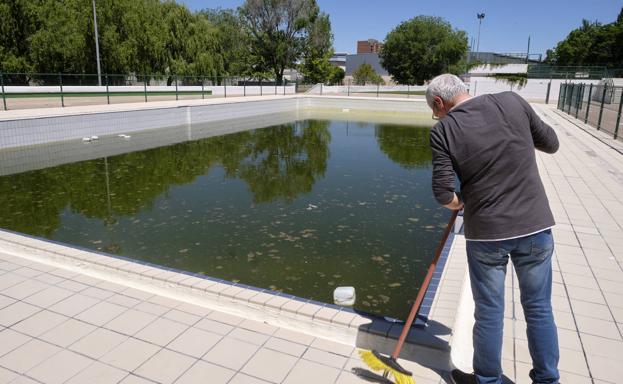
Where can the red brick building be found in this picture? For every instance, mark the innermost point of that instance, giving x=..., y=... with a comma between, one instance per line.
x=369, y=46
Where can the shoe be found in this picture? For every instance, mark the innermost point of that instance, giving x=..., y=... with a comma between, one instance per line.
x=460, y=377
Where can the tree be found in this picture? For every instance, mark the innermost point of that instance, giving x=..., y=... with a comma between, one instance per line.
x=365, y=74
x=278, y=31
x=316, y=67
x=592, y=43
x=421, y=48
x=337, y=76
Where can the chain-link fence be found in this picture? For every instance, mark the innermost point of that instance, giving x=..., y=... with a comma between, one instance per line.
x=41, y=90
x=596, y=104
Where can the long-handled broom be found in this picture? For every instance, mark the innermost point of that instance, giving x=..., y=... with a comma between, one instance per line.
x=389, y=365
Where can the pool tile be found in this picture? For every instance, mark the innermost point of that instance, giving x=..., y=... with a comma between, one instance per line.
x=307, y=372
x=248, y=336
x=325, y=358
x=165, y=366
x=73, y=305
x=67, y=333
x=225, y=318
x=9, y=340
x=98, y=343
x=98, y=373
x=161, y=331
x=202, y=370
x=39, y=323
x=130, y=322
x=285, y=346
x=231, y=353
x=28, y=355
x=181, y=317
x=332, y=346
x=101, y=313
x=269, y=365
x=130, y=354
x=16, y=312
x=194, y=342
x=60, y=367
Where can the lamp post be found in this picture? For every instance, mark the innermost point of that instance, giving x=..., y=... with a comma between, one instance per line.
x=97, y=47
x=480, y=16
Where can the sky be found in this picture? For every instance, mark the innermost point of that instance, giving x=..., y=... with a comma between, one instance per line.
x=505, y=28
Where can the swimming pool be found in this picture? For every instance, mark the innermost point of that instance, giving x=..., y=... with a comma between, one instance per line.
x=299, y=206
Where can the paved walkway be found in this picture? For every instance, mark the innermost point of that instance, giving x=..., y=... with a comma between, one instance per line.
x=58, y=325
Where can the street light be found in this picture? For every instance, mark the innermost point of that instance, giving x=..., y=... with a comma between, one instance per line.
x=480, y=16
x=97, y=47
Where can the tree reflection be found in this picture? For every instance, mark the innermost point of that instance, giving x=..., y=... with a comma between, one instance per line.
x=405, y=145
x=277, y=163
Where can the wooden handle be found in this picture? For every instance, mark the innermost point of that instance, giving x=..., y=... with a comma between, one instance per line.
x=424, y=287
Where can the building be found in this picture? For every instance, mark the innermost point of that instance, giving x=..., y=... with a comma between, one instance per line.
x=339, y=60
x=369, y=46
x=354, y=61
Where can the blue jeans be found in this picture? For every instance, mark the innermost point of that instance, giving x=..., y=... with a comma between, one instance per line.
x=532, y=258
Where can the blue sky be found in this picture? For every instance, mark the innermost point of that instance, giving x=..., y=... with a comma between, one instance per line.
x=505, y=28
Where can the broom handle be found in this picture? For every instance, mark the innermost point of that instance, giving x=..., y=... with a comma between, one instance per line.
x=424, y=287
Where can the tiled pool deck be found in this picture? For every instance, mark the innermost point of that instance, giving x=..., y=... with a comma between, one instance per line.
x=69, y=316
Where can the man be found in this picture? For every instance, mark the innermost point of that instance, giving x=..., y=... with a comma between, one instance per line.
x=488, y=142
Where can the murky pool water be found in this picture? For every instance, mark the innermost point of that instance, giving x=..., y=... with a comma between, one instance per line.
x=301, y=207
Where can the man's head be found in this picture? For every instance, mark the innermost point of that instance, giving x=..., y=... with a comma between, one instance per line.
x=444, y=92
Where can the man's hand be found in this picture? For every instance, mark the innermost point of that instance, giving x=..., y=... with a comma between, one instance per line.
x=456, y=204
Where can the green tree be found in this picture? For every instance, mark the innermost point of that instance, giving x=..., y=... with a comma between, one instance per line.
x=278, y=30
x=405, y=145
x=592, y=43
x=316, y=67
x=365, y=74
x=337, y=76
x=421, y=48
x=17, y=24
x=233, y=41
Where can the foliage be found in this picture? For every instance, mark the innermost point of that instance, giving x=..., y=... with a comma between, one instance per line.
x=279, y=30
x=337, y=76
x=592, y=43
x=518, y=80
x=135, y=36
x=316, y=67
x=365, y=74
x=421, y=48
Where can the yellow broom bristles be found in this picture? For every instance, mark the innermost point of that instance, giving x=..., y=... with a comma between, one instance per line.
x=377, y=365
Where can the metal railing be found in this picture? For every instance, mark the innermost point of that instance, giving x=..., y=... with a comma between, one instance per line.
x=37, y=90
x=598, y=105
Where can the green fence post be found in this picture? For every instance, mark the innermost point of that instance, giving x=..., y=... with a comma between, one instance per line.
x=225, y=86
x=3, y=95
x=145, y=86
x=60, y=82
x=107, y=92
x=588, y=105
x=573, y=87
x=275, y=87
x=616, y=128
x=202, y=87
x=560, y=95
x=408, y=91
x=284, y=87
x=377, y=90
x=601, y=108
x=261, y=93
x=348, y=87
x=244, y=87
x=321, y=88
x=177, y=96
x=578, y=102
x=549, y=87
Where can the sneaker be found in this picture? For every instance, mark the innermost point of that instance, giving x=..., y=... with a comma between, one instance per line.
x=460, y=377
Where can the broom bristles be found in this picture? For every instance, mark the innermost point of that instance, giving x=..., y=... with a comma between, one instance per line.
x=377, y=365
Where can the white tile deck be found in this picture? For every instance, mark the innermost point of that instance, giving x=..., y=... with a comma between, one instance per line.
x=64, y=322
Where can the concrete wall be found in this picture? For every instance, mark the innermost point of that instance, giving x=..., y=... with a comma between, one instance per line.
x=78, y=122
x=215, y=90
x=535, y=90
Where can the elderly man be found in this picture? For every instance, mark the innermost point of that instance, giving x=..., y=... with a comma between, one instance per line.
x=488, y=142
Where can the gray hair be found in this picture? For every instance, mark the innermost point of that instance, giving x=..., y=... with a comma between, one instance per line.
x=446, y=86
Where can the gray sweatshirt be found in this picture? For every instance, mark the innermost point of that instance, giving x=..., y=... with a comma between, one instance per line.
x=488, y=142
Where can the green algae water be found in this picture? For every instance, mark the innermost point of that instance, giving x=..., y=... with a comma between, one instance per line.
x=300, y=208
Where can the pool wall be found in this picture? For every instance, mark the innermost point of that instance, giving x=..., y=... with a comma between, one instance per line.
x=19, y=129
